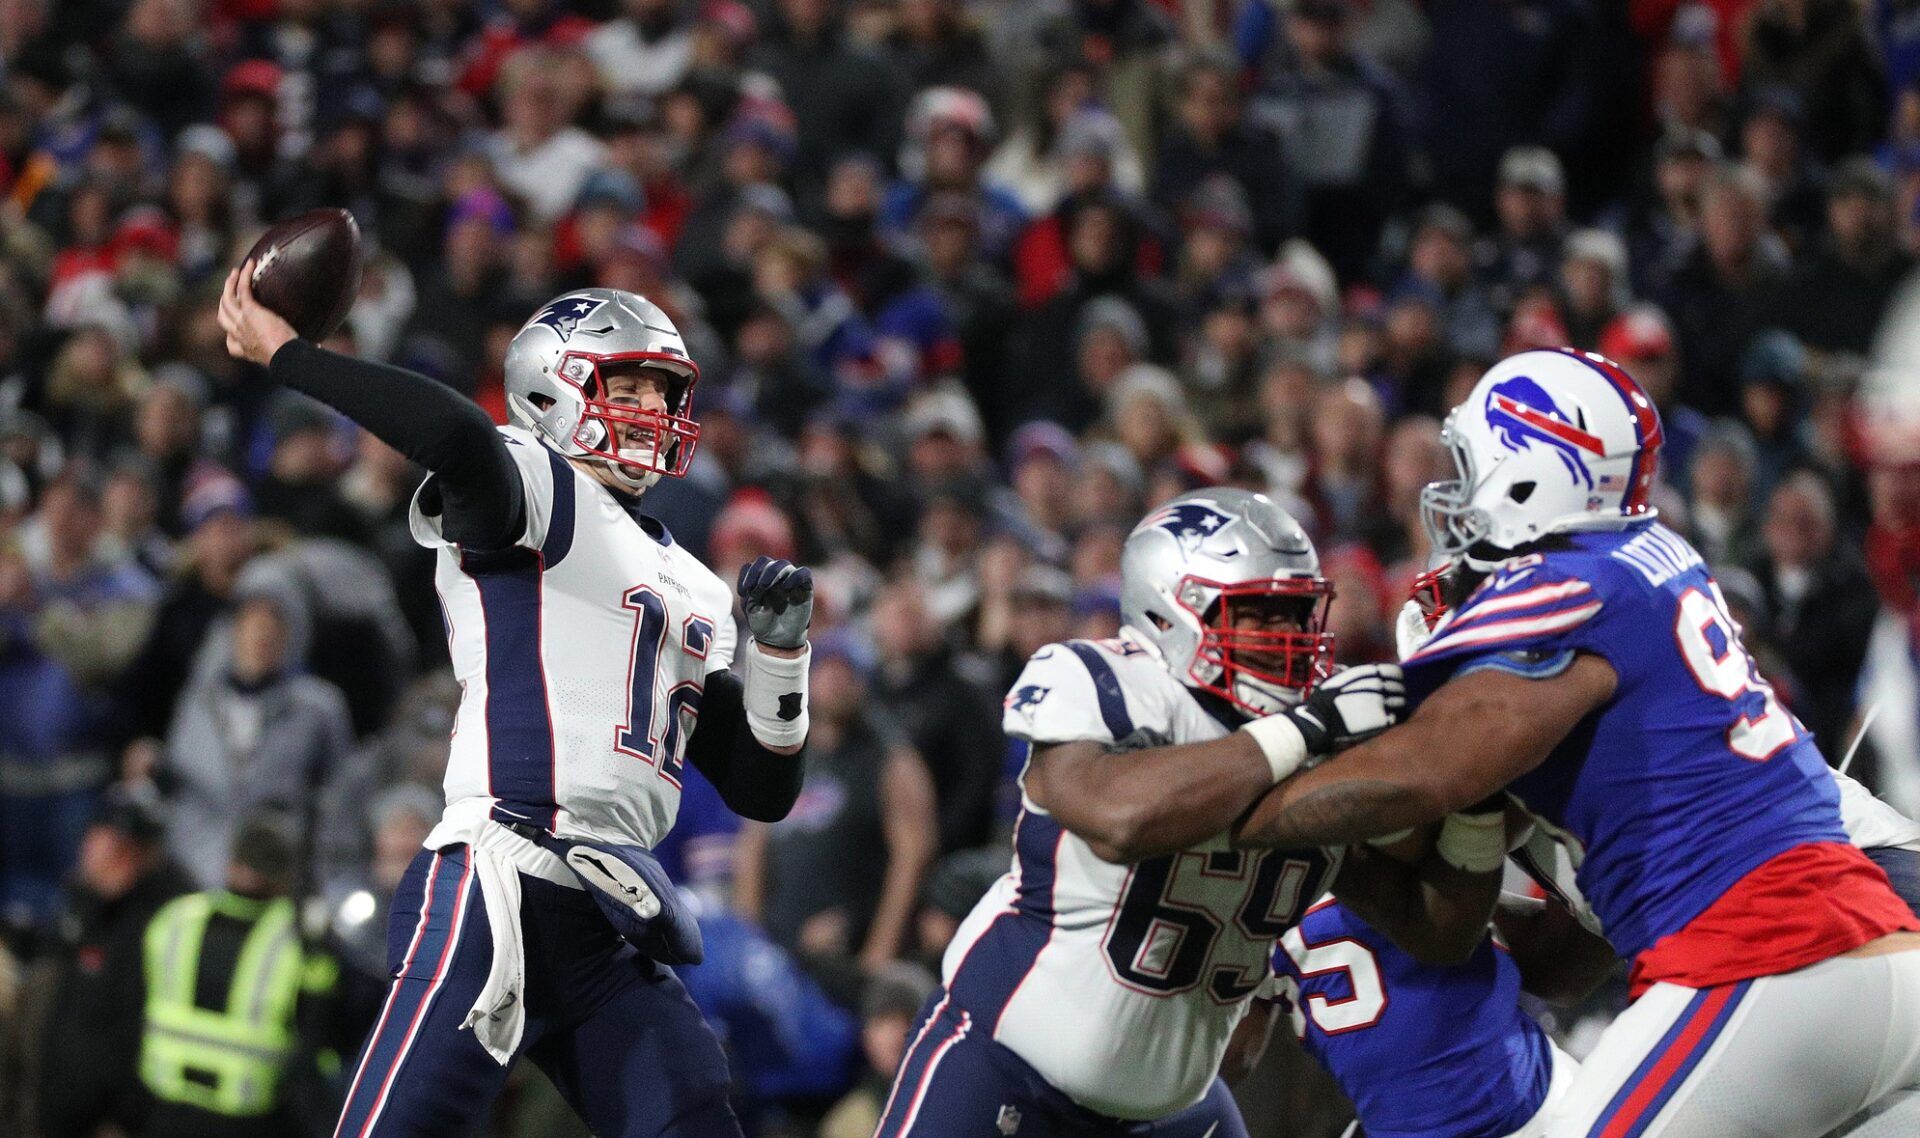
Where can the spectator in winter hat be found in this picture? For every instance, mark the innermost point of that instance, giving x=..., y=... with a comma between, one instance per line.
x=1594, y=283
x=1041, y=462
x=942, y=700
x=1530, y=205
x=1771, y=147
x=1720, y=505
x=1662, y=221
x=1718, y=296
x=1440, y=259
x=1641, y=340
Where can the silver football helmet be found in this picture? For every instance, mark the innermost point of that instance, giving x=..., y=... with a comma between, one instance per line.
x=555, y=388
x=1226, y=586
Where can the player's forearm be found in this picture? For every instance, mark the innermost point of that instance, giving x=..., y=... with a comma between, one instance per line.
x=1343, y=801
x=1435, y=912
x=1143, y=804
x=1559, y=960
x=753, y=780
x=1470, y=739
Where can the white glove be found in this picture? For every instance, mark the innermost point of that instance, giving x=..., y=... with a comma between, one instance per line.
x=1410, y=631
x=1353, y=704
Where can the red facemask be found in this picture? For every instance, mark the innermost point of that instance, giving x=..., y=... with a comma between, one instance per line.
x=1429, y=592
x=673, y=431
x=1294, y=659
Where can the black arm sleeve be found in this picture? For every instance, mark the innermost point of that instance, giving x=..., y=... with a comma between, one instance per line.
x=754, y=782
x=482, y=502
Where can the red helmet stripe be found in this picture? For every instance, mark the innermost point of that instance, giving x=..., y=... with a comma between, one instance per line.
x=1565, y=432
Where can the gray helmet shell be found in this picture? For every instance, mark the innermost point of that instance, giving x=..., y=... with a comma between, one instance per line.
x=1176, y=560
x=554, y=390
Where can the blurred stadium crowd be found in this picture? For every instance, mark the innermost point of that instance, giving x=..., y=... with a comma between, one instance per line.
x=972, y=283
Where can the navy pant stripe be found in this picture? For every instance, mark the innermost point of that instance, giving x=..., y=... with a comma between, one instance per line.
x=910, y=1082
x=409, y=997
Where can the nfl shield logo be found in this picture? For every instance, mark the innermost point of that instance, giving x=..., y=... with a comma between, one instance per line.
x=1009, y=1120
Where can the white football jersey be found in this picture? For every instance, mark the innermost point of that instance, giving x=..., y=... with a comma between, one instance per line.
x=1551, y=859
x=1121, y=984
x=582, y=653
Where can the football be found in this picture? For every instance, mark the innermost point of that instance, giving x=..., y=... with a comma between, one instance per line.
x=307, y=269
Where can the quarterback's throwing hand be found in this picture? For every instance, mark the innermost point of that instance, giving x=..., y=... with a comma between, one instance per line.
x=778, y=597
x=1353, y=704
x=254, y=331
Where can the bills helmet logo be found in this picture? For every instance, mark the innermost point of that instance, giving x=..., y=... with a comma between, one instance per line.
x=565, y=314
x=1190, y=523
x=1521, y=413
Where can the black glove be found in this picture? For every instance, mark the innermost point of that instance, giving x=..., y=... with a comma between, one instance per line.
x=778, y=597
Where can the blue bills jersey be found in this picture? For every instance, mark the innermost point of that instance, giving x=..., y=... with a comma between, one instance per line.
x=1693, y=774
x=1422, y=1051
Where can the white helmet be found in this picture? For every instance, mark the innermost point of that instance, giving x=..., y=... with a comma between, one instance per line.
x=1193, y=565
x=1550, y=441
x=555, y=389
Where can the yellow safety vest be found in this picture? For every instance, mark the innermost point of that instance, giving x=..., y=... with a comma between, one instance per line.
x=229, y=1059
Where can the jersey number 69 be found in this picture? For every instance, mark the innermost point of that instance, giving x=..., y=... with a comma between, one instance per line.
x=1163, y=937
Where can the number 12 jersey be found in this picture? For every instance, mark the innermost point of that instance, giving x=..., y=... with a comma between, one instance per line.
x=1121, y=984
x=582, y=653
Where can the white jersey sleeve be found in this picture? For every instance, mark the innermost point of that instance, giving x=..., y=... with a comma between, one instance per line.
x=538, y=468
x=1872, y=824
x=1105, y=691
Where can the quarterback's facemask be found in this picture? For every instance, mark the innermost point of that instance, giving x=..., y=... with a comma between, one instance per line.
x=1268, y=639
x=634, y=442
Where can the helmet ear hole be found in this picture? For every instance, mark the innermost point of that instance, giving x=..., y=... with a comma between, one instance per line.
x=541, y=402
x=1521, y=491
x=1159, y=622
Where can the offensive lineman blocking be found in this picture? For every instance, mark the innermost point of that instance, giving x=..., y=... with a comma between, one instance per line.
x=1095, y=988
x=593, y=654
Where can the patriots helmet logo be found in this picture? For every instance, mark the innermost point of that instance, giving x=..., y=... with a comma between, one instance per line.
x=1521, y=413
x=1190, y=523
x=1025, y=697
x=565, y=314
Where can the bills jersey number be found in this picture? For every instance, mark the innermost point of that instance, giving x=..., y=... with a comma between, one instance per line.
x=1163, y=935
x=1710, y=644
x=1346, y=959
x=656, y=727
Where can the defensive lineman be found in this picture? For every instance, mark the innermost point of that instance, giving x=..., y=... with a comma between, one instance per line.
x=1593, y=672
x=1095, y=988
x=593, y=655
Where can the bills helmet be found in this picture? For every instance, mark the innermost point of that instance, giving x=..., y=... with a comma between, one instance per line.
x=557, y=390
x=1550, y=441
x=1226, y=587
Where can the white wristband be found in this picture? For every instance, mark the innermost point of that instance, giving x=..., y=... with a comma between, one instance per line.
x=776, y=696
x=1281, y=742
x=1476, y=843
